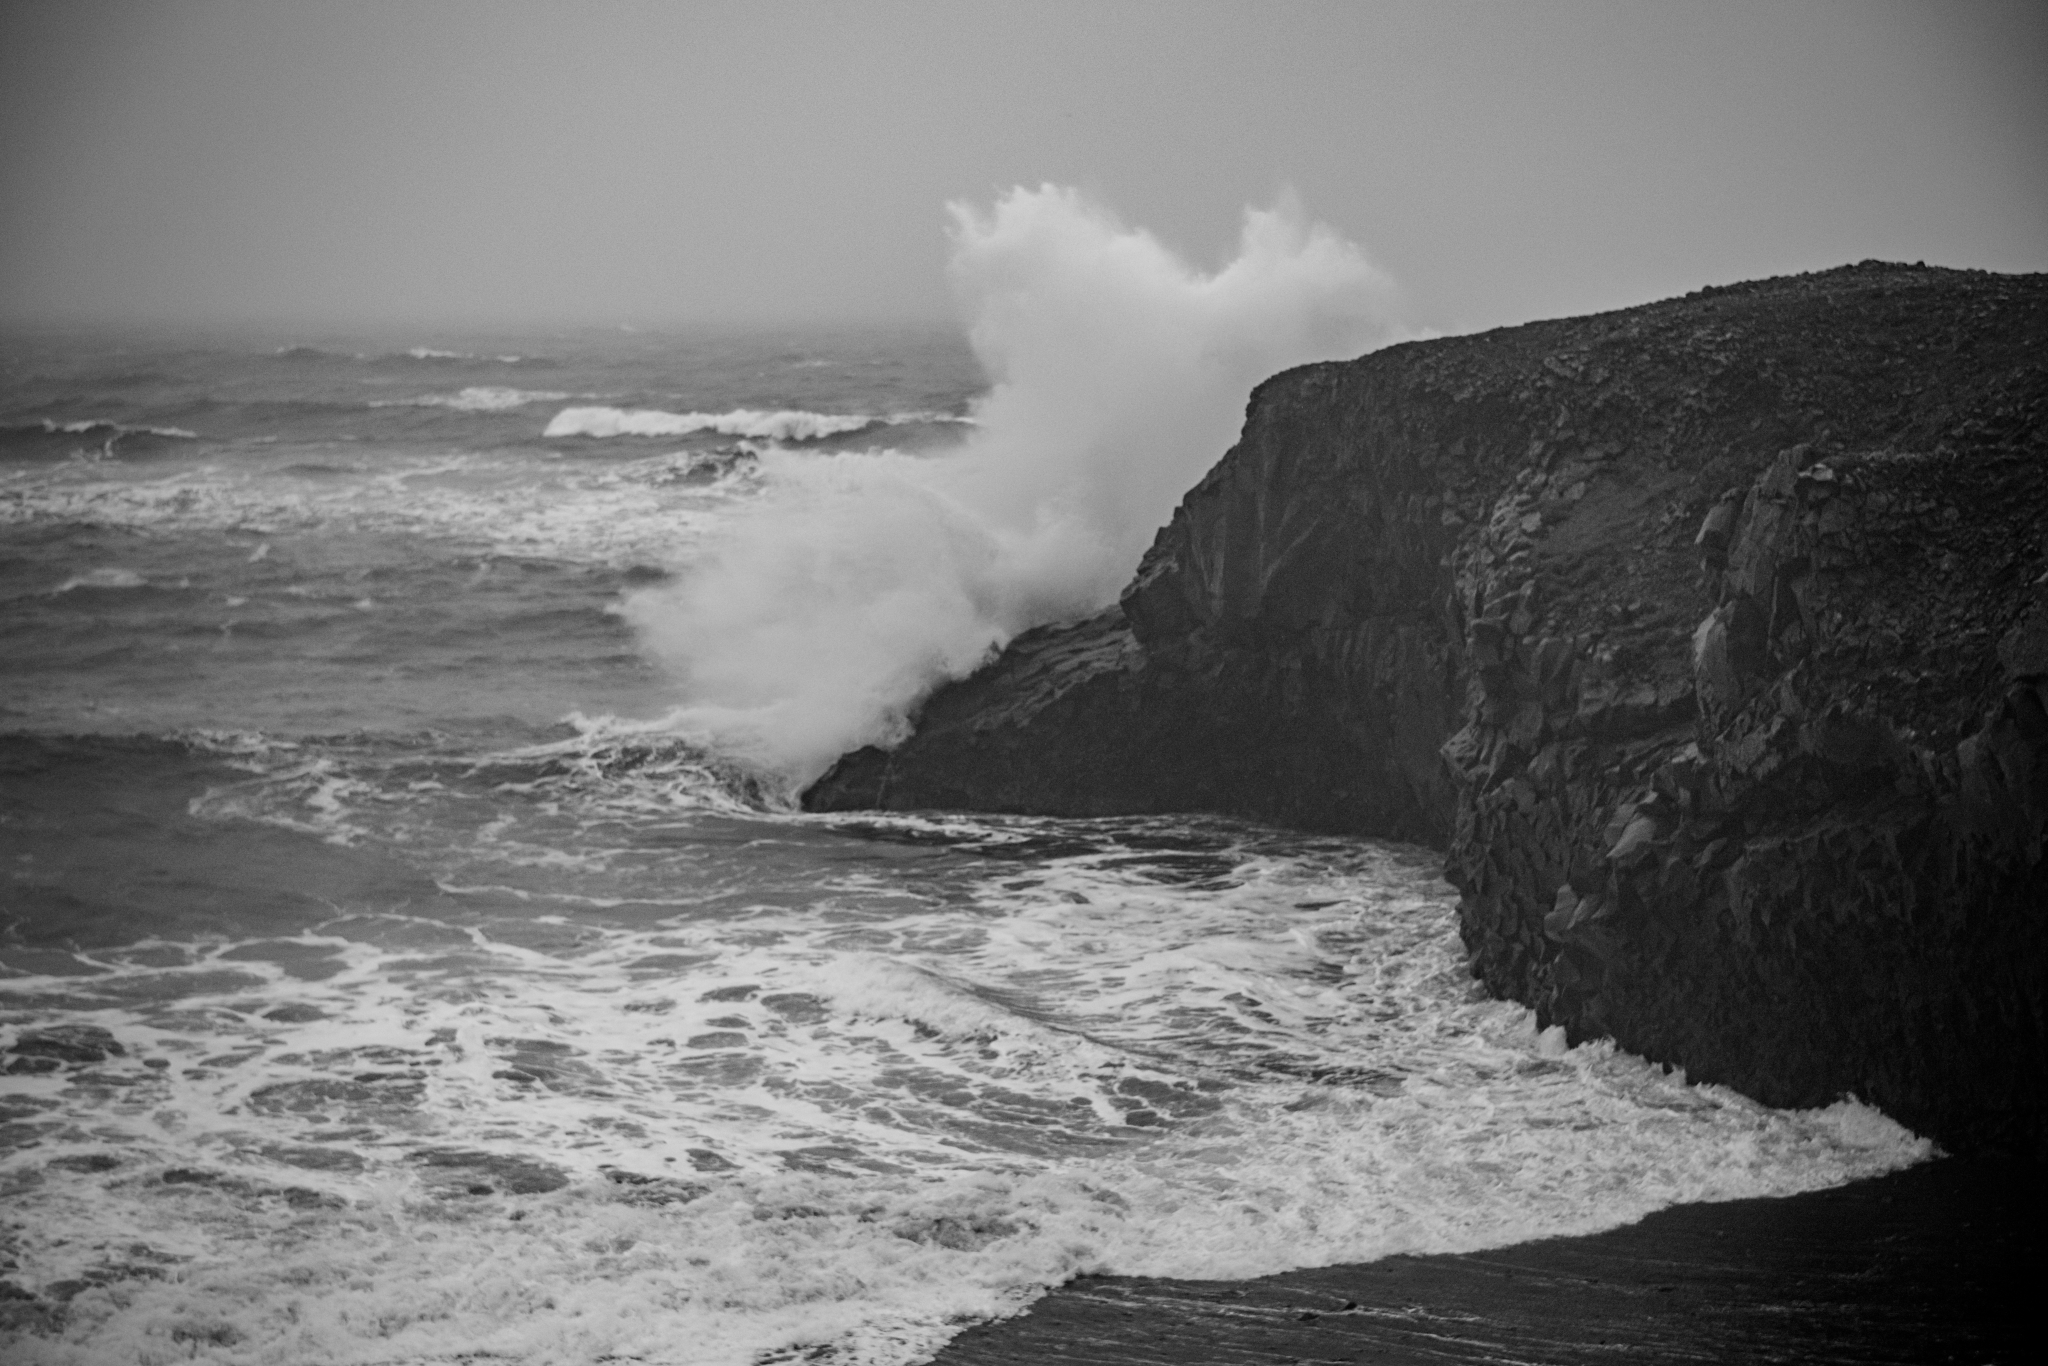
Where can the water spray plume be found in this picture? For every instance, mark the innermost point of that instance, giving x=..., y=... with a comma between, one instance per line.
x=824, y=611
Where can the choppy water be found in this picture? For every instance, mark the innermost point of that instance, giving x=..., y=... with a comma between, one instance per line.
x=384, y=983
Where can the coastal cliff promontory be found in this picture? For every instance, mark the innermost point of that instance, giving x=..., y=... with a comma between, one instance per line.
x=1708, y=639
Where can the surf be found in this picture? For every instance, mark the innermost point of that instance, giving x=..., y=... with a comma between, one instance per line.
x=819, y=614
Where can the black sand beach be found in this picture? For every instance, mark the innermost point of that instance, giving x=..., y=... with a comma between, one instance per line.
x=1940, y=1263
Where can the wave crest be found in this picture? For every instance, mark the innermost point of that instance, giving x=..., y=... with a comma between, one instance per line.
x=759, y=424
x=431, y=355
x=52, y=440
x=482, y=398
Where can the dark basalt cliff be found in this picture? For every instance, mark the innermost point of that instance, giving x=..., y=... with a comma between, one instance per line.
x=1709, y=639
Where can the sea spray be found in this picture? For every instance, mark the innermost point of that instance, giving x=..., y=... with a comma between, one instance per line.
x=356, y=1009
x=819, y=616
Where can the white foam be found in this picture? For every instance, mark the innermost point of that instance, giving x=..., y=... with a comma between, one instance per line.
x=643, y=511
x=94, y=424
x=826, y=609
x=113, y=577
x=865, y=1109
x=783, y=425
x=103, y=427
x=483, y=398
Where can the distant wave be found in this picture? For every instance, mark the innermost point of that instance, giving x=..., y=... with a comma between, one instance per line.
x=417, y=355
x=226, y=418
x=207, y=403
x=784, y=425
x=102, y=578
x=222, y=415
x=431, y=355
x=488, y=398
x=52, y=440
x=99, y=425
x=132, y=379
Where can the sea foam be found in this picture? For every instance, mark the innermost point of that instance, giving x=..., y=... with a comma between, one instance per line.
x=483, y=398
x=824, y=611
x=783, y=425
x=103, y=578
x=815, y=1115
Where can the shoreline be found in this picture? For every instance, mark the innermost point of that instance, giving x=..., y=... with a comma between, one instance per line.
x=1708, y=637
x=1933, y=1263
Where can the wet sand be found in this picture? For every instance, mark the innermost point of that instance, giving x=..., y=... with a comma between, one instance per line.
x=1941, y=1263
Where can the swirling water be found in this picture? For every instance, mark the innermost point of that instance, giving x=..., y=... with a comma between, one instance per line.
x=385, y=983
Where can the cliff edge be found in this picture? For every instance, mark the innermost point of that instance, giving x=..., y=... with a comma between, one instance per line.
x=1709, y=639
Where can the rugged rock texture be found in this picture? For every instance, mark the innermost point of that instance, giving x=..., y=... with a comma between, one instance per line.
x=1709, y=638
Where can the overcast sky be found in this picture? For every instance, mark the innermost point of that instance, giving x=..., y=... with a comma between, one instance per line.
x=660, y=163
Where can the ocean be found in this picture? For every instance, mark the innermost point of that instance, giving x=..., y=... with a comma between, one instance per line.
x=394, y=968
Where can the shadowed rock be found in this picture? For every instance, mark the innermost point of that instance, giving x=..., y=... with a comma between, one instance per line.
x=1708, y=638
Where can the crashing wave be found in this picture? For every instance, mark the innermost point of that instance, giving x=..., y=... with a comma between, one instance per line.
x=788, y=424
x=620, y=763
x=824, y=610
x=50, y=439
x=345, y=788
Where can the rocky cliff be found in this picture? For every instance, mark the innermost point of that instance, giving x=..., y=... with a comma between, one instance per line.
x=1709, y=639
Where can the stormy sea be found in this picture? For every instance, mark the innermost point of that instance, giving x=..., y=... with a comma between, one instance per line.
x=411, y=949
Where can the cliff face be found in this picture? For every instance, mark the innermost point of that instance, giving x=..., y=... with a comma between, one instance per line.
x=1708, y=638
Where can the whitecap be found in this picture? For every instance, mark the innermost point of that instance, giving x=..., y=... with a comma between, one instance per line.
x=484, y=398
x=102, y=578
x=782, y=425
x=98, y=424
x=640, y=512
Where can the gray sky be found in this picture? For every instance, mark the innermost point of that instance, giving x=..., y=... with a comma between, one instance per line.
x=659, y=163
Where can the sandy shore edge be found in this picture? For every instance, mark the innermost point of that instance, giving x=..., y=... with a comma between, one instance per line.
x=1938, y=1263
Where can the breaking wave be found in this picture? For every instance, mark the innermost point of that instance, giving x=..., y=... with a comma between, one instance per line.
x=825, y=610
x=487, y=398
x=52, y=440
x=412, y=356
x=111, y=578
x=758, y=424
x=429, y=355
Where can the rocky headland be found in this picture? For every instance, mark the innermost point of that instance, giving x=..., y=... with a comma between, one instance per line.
x=1708, y=639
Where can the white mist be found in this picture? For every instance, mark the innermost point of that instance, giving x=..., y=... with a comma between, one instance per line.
x=819, y=616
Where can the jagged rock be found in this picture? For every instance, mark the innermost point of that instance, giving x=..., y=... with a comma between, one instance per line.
x=1715, y=676
x=1634, y=840
x=1708, y=638
x=1712, y=540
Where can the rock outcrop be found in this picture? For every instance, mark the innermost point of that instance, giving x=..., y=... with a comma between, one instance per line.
x=1708, y=638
